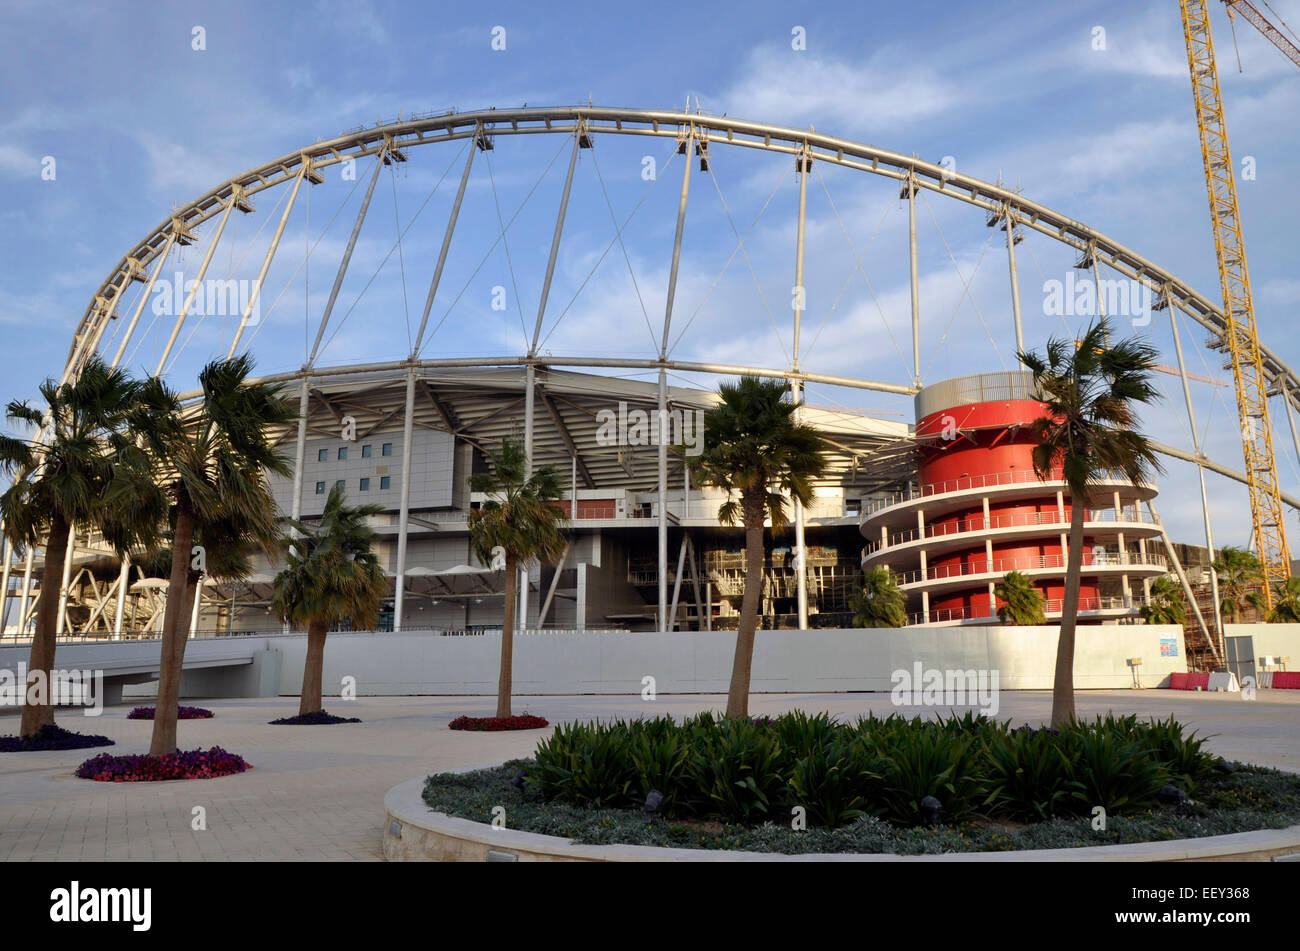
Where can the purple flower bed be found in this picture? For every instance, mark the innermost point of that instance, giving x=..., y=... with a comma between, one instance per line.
x=51, y=737
x=319, y=718
x=183, y=764
x=182, y=713
x=524, y=721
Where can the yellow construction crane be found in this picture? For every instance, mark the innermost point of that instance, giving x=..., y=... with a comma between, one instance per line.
x=1240, y=336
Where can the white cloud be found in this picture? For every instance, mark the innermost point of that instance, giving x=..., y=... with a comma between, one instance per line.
x=298, y=77
x=17, y=162
x=353, y=18
x=885, y=91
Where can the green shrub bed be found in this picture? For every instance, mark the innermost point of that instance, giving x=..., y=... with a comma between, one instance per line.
x=800, y=783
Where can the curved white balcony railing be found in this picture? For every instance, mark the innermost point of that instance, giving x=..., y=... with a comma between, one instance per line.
x=1054, y=606
x=987, y=480
x=1028, y=563
x=978, y=523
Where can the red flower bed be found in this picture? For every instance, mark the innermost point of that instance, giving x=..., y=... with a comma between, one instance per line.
x=182, y=713
x=183, y=764
x=525, y=722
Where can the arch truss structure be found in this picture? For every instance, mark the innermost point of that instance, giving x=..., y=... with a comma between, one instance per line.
x=697, y=136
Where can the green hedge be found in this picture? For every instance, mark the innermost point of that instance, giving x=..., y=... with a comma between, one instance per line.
x=752, y=771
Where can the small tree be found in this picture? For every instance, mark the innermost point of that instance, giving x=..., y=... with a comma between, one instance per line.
x=1240, y=575
x=78, y=473
x=212, y=466
x=1165, y=605
x=330, y=575
x=756, y=451
x=519, y=518
x=880, y=602
x=1090, y=389
x=1022, y=603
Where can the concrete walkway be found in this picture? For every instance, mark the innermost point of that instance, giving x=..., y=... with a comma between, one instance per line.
x=316, y=793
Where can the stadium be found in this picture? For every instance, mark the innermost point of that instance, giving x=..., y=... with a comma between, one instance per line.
x=939, y=487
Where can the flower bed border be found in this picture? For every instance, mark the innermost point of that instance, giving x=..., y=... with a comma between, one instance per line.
x=415, y=833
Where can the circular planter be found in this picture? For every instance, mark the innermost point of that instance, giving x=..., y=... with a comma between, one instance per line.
x=415, y=833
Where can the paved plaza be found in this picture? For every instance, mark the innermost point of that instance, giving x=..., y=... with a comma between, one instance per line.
x=316, y=793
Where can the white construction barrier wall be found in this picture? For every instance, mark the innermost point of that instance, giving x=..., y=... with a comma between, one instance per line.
x=1024, y=658
x=1270, y=640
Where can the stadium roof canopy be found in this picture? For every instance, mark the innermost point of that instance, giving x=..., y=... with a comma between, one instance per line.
x=483, y=406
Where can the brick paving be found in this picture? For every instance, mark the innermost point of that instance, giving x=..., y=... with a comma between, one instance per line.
x=316, y=793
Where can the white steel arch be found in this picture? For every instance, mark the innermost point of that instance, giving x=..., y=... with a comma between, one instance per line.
x=389, y=142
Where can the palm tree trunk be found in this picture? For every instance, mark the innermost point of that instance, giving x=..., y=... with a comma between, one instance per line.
x=41, y=660
x=508, y=637
x=1063, y=685
x=176, y=620
x=738, y=695
x=313, y=669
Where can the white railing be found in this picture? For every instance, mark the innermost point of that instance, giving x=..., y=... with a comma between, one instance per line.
x=1028, y=563
x=978, y=523
x=1054, y=606
x=965, y=483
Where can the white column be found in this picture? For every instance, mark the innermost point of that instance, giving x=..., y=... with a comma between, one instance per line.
x=665, y=623
x=796, y=387
x=916, y=294
x=1015, y=281
x=59, y=623
x=198, y=604
x=1200, y=469
x=405, y=509
x=663, y=380
x=26, y=592
x=266, y=262
x=123, y=583
x=197, y=283
x=299, y=457
x=144, y=296
x=4, y=581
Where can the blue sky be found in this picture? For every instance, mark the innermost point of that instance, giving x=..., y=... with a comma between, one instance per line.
x=137, y=120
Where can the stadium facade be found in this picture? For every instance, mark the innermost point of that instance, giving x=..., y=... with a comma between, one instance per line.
x=949, y=504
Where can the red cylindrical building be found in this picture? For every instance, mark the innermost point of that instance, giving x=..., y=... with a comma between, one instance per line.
x=979, y=511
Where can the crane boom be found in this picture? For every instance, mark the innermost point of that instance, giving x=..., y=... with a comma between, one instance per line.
x=1242, y=338
x=1262, y=23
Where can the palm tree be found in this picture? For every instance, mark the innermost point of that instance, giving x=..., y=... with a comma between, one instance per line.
x=63, y=479
x=521, y=519
x=1239, y=575
x=1089, y=389
x=1165, y=605
x=212, y=466
x=1022, y=603
x=756, y=451
x=880, y=602
x=331, y=574
x=1286, y=603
